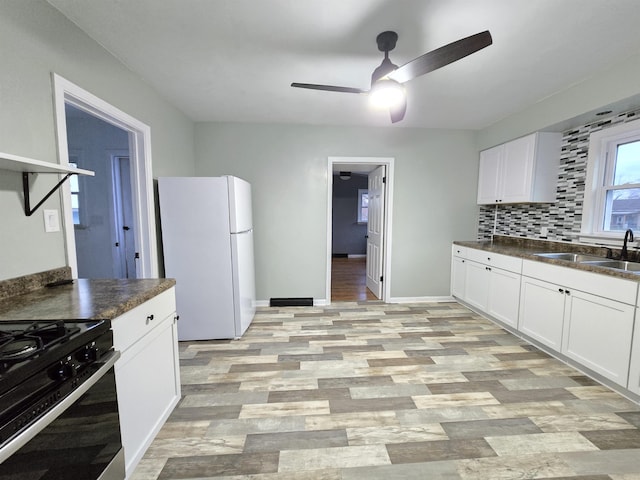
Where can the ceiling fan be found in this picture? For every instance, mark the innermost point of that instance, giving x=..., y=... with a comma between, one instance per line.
x=389, y=77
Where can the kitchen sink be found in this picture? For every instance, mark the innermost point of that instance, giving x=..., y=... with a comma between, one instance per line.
x=572, y=257
x=617, y=264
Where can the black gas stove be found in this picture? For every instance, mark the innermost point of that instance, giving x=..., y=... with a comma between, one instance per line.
x=41, y=362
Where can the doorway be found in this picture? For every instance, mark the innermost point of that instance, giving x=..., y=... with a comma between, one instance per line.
x=138, y=152
x=123, y=221
x=353, y=274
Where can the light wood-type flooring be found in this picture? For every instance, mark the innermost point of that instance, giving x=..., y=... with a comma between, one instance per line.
x=348, y=280
x=376, y=391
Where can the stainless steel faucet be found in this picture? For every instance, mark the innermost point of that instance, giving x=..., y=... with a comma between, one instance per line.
x=628, y=237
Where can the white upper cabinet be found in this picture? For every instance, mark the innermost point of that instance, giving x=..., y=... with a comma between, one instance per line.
x=524, y=170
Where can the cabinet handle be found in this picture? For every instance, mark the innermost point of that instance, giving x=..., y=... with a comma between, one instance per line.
x=567, y=292
x=561, y=290
x=487, y=268
x=150, y=318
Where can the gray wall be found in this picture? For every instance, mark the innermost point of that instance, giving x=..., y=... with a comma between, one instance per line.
x=37, y=40
x=572, y=107
x=93, y=140
x=348, y=236
x=434, y=198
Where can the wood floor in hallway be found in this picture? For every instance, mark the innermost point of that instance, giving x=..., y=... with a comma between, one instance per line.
x=348, y=280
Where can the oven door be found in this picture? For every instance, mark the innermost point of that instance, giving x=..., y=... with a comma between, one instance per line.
x=78, y=439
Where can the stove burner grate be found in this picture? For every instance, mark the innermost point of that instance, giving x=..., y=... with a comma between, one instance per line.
x=23, y=340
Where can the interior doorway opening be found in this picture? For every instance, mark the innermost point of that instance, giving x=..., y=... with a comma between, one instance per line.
x=359, y=201
x=138, y=152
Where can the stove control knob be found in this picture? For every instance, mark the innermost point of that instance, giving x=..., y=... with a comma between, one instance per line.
x=63, y=371
x=87, y=354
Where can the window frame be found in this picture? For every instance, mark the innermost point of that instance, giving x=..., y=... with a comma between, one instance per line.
x=361, y=193
x=601, y=162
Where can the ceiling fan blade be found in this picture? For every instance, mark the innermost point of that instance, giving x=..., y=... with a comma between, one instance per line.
x=329, y=88
x=440, y=57
x=397, y=112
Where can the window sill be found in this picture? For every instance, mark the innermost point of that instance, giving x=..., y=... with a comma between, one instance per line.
x=613, y=239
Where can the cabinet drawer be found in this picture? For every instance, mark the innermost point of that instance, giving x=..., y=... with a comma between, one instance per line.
x=131, y=326
x=505, y=262
x=458, y=251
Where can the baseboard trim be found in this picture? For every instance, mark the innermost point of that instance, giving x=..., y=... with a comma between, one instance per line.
x=317, y=302
x=434, y=299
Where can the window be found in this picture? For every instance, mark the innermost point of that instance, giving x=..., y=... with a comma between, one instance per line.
x=363, y=205
x=75, y=193
x=612, y=190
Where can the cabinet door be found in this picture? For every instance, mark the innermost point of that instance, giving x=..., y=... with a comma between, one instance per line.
x=489, y=175
x=542, y=311
x=476, y=285
x=634, y=364
x=517, y=168
x=504, y=296
x=458, y=277
x=148, y=389
x=598, y=334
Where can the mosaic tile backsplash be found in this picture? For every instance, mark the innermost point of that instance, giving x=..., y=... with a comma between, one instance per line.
x=563, y=218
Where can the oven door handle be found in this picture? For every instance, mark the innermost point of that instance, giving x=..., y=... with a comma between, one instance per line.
x=18, y=442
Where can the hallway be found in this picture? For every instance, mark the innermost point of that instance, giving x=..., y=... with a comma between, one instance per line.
x=348, y=280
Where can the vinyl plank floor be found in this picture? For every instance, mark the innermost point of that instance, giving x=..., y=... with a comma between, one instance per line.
x=366, y=390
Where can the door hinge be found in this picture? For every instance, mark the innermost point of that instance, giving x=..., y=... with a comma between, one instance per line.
x=381, y=277
x=137, y=255
x=384, y=179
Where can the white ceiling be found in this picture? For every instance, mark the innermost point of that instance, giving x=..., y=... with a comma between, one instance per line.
x=234, y=60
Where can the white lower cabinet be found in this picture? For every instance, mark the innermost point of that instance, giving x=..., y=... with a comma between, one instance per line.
x=147, y=373
x=542, y=307
x=593, y=329
x=504, y=296
x=477, y=285
x=487, y=281
x=458, y=276
x=585, y=316
x=598, y=333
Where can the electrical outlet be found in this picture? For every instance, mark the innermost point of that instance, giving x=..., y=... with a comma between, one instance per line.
x=544, y=231
x=51, y=221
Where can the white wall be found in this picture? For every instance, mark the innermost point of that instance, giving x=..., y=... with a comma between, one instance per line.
x=37, y=40
x=435, y=190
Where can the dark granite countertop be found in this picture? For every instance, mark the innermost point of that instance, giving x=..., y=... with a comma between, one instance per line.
x=83, y=299
x=526, y=248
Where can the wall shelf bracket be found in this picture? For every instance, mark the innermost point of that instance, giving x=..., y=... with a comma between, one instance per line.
x=27, y=198
x=26, y=166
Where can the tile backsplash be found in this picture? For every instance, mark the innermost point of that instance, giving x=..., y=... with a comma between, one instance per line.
x=564, y=217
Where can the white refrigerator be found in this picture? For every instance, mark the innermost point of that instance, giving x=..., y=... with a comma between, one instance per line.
x=207, y=239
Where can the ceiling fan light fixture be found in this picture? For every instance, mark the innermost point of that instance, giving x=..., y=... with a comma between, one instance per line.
x=386, y=93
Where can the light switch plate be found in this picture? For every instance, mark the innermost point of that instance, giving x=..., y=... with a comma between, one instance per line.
x=51, y=221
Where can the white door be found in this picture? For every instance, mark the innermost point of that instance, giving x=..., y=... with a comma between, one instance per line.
x=375, y=235
x=124, y=222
